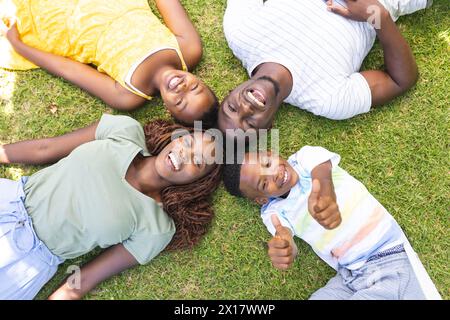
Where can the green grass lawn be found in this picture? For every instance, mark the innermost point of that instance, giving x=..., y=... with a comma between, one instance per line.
x=400, y=152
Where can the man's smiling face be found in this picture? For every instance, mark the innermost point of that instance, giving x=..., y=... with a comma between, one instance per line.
x=251, y=105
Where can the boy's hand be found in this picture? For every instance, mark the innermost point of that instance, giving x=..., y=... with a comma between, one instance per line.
x=324, y=208
x=358, y=10
x=282, y=249
x=8, y=29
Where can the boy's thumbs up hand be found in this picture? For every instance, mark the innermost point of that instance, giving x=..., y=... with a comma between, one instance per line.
x=282, y=249
x=281, y=232
x=323, y=207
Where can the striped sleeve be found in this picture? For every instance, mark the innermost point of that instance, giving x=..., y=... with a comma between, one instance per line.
x=309, y=157
x=350, y=97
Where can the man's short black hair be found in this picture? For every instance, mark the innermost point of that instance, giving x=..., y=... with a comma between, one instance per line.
x=232, y=178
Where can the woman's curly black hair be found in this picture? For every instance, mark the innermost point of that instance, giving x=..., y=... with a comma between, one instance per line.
x=188, y=205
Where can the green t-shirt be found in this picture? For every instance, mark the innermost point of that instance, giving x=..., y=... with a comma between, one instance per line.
x=84, y=201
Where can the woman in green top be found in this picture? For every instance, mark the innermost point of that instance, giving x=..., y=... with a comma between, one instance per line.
x=103, y=191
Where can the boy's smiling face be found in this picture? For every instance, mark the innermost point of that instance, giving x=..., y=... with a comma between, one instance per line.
x=265, y=175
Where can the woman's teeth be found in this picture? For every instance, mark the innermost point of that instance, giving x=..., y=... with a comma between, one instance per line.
x=174, y=82
x=285, y=177
x=175, y=161
x=255, y=99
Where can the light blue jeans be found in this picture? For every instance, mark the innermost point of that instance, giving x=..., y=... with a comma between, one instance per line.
x=26, y=264
x=387, y=278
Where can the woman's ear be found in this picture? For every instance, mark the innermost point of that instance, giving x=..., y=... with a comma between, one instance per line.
x=261, y=200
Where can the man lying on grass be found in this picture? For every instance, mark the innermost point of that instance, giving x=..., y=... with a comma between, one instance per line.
x=309, y=54
x=311, y=197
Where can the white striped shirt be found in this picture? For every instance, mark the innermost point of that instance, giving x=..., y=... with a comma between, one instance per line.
x=322, y=50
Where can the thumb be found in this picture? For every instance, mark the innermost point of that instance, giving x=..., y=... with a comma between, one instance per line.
x=314, y=197
x=315, y=190
x=338, y=9
x=276, y=223
x=280, y=231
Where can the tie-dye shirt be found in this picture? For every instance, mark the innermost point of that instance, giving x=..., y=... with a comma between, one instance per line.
x=366, y=227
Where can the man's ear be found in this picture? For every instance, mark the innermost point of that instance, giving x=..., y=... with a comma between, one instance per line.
x=261, y=200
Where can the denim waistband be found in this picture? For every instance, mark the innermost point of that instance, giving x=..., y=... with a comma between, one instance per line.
x=394, y=250
x=17, y=216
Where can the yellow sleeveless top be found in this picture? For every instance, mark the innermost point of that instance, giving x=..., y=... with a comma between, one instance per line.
x=114, y=35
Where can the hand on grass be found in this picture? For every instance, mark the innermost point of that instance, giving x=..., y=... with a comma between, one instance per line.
x=64, y=293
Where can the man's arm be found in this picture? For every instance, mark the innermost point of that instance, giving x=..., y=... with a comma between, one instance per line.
x=80, y=74
x=109, y=263
x=322, y=203
x=401, y=69
x=177, y=20
x=47, y=150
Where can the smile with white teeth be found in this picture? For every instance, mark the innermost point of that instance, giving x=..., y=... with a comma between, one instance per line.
x=174, y=82
x=285, y=177
x=254, y=99
x=175, y=161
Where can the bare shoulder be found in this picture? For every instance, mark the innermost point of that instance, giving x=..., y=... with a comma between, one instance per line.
x=126, y=100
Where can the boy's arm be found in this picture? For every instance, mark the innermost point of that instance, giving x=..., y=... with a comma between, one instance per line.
x=80, y=74
x=47, y=150
x=109, y=263
x=322, y=200
x=177, y=20
x=282, y=249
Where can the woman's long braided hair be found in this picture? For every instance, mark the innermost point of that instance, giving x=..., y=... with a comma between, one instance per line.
x=188, y=205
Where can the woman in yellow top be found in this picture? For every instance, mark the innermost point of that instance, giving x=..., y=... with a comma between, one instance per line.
x=135, y=54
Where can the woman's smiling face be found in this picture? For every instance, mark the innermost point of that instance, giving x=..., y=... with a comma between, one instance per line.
x=186, y=159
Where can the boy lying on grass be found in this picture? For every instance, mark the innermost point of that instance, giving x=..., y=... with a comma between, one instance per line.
x=311, y=197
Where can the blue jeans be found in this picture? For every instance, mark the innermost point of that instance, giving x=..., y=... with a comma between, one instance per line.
x=387, y=278
x=26, y=264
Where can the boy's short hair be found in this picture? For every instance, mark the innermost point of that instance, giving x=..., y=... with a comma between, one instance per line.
x=231, y=179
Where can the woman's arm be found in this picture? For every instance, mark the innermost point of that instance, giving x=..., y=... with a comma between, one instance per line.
x=80, y=74
x=177, y=20
x=47, y=150
x=111, y=262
